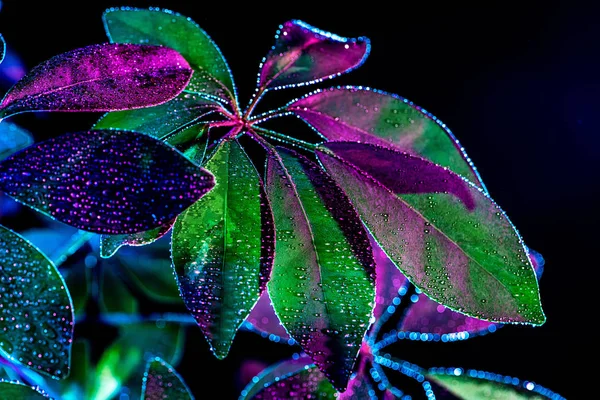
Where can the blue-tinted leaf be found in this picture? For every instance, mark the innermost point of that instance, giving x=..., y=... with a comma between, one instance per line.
x=12, y=139
x=104, y=181
x=35, y=308
x=2, y=48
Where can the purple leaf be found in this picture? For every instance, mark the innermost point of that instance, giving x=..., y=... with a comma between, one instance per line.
x=403, y=173
x=110, y=182
x=428, y=316
x=161, y=381
x=263, y=318
x=103, y=77
x=472, y=261
x=371, y=116
x=389, y=280
x=303, y=54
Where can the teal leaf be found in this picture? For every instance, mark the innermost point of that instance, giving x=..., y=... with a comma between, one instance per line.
x=218, y=248
x=109, y=244
x=211, y=77
x=12, y=139
x=36, y=309
x=2, y=48
x=19, y=391
x=322, y=283
x=161, y=381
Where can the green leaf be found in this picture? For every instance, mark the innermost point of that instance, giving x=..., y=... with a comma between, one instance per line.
x=211, y=77
x=36, y=309
x=109, y=244
x=322, y=283
x=161, y=121
x=12, y=139
x=127, y=356
x=19, y=391
x=161, y=381
x=485, y=386
x=471, y=260
x=217, y=248
x=115, y=297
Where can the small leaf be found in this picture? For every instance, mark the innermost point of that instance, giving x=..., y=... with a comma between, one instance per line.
x=216, y=248
x=108, y=182
x=161, y=121
x=12, y=139
x=17, y=390
x=455, y=383
x=371, y=116
x=303, y=54
x=212, y=76
x=428, y=316
x=294, y=379
x=322, y=284
x=2, y=48
x=128, y=354
x=472, y=261
x=109, y=244
x=36, y=309
x=102, y=77
x=161, y=381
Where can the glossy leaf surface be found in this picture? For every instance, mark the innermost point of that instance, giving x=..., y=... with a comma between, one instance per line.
x=370, y=116
x=17, y=390
x=163, y=27
x=103, y=77
x=12, y=139
x=105, y=181
x=161, y=121
x=389, y=280
x=161, y=381
x=36, y=309
x=322, y=284
x=470, y=259
x=303, y=54
x=217, y=248
x=110, y=244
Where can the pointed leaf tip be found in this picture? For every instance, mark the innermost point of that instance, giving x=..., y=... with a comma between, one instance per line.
x=110, y=182
x=41, y=337
x=103, y=77
x=217, y=248
x=473, y=261
x=303, y=54
x=161, y=381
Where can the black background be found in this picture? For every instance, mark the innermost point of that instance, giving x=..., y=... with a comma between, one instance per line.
x=519, y=86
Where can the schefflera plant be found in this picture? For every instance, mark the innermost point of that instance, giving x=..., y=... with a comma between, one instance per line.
x=299, y=220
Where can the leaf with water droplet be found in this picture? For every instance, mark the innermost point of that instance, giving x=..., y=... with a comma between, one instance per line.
x=110, y=182
x=460, y=249
x=455, y=384
x=2, y=48
x=162, y=121
x=322, y=284
x=371, y=116
x=110, y=244
x=102, y=77
x=163, y=27
x=263, y=319
x=303, y=54
x=125, y=359
x=37, y=313
x=12, y=139
x=161, y=381
x=20, y=391
x=428, y=316
x=222, y=246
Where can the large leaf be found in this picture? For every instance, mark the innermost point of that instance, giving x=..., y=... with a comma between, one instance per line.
x=322, y=284
x=36, y=309
x=455, y=383
x=303, y=54
x=19, y=391
x=218, y=248
x=161, y=381
x=211, y=77
x=462, y=251
x=12, y=139
x=161, y=121
x=371, y=116
x=2, y=48
x=110, y=182
x=127, y=356
x=102, y=77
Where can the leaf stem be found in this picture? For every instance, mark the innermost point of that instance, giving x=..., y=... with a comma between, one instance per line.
x=276, y=113
x=255, y=99
x=286, y=139
x=78, y=240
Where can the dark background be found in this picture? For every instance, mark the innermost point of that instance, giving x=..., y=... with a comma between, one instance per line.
x=519, y=86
